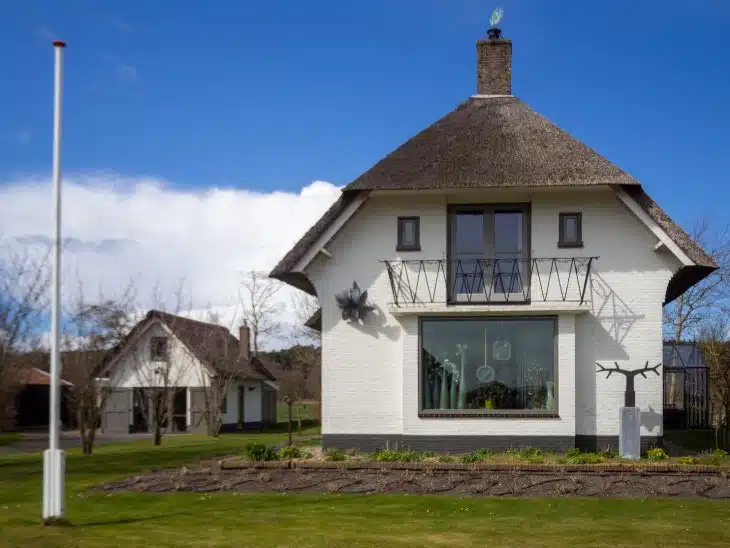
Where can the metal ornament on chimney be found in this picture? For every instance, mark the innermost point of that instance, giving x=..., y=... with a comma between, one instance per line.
x=495, y=33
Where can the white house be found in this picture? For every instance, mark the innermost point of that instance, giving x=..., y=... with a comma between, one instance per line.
x=503, y=259
x=183, y=355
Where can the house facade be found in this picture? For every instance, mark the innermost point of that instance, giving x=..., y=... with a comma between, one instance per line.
x=185, y=357
x=502, y=259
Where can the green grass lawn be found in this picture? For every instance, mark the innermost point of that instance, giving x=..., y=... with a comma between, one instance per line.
x=7, y=438
x=304, y=520
x=303, y=410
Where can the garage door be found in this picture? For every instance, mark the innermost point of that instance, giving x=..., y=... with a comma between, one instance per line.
x=197, y=411
x=115, y=417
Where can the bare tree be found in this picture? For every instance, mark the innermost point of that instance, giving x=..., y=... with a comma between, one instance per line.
x=24, y=284
x=715, y=348
x=161, y=369
x=258, y=296
x=304, y=307
x=702, y=303
x=92, y=330
x=225, y=365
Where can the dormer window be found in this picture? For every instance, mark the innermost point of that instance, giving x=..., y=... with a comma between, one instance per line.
x=409, y=234
x=570, y=230
x=158, y=349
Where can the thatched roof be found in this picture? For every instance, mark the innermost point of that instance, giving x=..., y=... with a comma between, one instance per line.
x=315, y=321
x=490, y=142
x=496, y=142
x=211, y=344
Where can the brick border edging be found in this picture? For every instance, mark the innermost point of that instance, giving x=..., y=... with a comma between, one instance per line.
x=239, y=464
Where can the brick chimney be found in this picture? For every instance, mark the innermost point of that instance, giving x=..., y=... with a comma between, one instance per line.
x=494, y=64
x=244, y=341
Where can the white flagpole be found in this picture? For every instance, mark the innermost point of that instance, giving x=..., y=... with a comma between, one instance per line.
x=53, y=457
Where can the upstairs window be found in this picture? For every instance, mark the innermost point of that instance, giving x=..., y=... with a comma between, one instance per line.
x=158, y=349
x=409, y=234
x=570, y=231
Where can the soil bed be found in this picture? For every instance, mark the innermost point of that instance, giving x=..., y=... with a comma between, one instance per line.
x=452, y=479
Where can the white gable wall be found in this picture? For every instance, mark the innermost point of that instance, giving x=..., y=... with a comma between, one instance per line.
x=369, y=373
x=135, y=369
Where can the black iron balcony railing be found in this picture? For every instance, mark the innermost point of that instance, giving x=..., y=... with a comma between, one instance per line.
x=489, y=281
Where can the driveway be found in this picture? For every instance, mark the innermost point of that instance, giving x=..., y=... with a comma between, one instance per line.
x=36, y=442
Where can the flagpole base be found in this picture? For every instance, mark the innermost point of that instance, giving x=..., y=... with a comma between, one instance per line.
x=54, y=471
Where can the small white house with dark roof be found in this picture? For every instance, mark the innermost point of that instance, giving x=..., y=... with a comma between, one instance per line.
x=502, y=259
x=184, y=357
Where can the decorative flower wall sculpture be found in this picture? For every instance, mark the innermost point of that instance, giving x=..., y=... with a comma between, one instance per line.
x=353, y=303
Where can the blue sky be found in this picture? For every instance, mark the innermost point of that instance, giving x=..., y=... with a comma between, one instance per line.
x=272, y=94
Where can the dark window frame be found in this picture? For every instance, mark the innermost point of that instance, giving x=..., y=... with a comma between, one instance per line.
x=486, y=209
x=155, y=357
x=562, y=217
x=400, y=246
x=491, y=413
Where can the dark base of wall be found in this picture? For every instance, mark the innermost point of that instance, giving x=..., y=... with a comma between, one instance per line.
x=599, y=443
x=462, y=444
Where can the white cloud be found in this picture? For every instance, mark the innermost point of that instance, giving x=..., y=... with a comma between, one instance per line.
x=118, y=229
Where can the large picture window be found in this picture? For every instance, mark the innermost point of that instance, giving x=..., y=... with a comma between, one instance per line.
x=488, y=366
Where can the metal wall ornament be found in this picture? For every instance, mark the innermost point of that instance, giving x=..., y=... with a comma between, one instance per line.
x=353, y=303
x=629, y=393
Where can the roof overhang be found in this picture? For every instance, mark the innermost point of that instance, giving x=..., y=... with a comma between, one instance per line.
x=330, y=232
x=315, y=321
x=291, y=269
x=654, y=227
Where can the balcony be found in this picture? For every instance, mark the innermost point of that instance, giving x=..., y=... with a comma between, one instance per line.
x=496, y=281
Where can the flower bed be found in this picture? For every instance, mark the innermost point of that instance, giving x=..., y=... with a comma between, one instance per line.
x=480, y=473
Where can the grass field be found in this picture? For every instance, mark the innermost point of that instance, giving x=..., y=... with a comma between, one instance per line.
x=300, y=410
x=6, y=438
x=269, y=520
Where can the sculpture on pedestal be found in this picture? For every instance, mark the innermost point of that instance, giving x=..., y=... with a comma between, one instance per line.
x=629, y=439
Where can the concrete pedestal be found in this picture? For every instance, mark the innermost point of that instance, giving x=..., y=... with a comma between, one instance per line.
x=54, y=469
x=629, y=437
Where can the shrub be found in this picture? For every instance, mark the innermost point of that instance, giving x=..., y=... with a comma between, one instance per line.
x=429, y=454
x=585, y=458
x=573, y=451
x=352, y=452
x=445, y=459
x=609, y=453
x=393, y=455
x=688, y=460
x=480, y=455
x=512, y=452
x=290, y=452
x=260, y=452
x=716, y=458
x=335, y=454
x=561, y=460
x=531, y=454
x=656, y=454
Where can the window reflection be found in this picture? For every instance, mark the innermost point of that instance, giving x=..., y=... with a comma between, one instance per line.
x=482, y=364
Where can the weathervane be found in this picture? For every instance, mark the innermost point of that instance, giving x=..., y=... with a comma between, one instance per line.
x=495, y=33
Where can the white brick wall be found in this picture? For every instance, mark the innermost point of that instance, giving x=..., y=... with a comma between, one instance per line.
x=369, y=372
